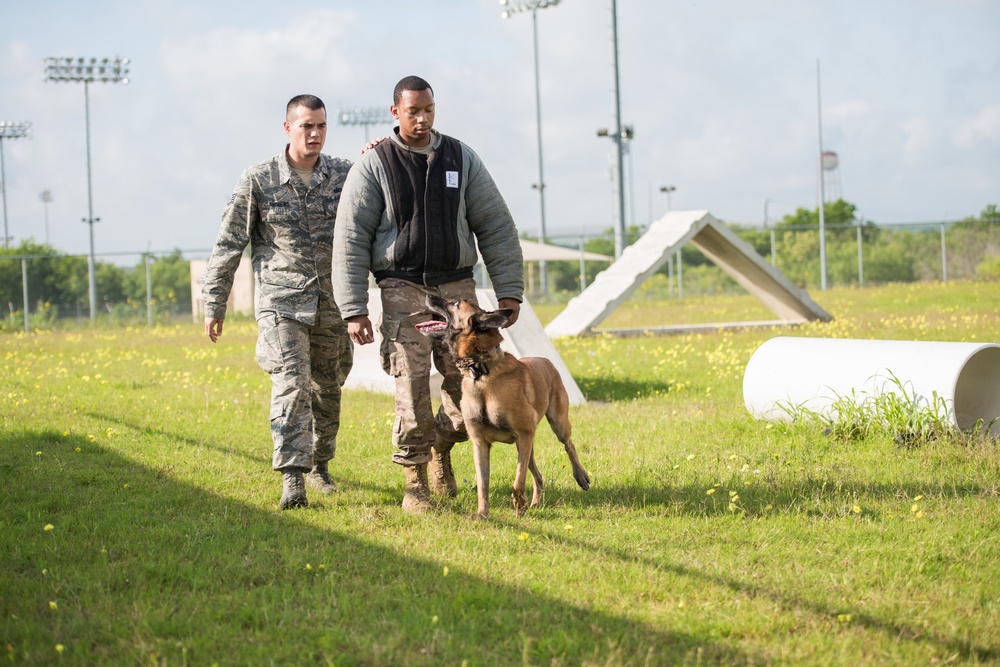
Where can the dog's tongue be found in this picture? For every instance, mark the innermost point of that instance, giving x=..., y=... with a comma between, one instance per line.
x=431, y=326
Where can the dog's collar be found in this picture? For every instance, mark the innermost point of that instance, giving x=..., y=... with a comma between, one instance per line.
x=480, y=364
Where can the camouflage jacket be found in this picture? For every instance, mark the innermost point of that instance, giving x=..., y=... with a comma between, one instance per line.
x=289, y=227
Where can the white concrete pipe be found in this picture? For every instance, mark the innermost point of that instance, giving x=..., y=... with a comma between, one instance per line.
x=813, y=373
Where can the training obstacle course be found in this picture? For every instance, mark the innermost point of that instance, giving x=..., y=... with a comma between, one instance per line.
x=665, y=237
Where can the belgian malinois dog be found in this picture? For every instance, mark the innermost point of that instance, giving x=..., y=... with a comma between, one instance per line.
x=503, y=398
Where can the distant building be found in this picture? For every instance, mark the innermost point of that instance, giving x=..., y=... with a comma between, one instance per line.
x=240, y=299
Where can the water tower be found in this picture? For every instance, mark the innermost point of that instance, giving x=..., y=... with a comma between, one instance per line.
x=831, y=176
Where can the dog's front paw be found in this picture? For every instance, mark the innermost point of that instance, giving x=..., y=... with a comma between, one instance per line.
x=582, y=478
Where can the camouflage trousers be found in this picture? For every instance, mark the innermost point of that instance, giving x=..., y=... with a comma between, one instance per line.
x=308, y=365
x=407, y=355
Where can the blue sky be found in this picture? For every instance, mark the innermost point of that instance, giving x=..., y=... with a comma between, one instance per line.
x=721, y=93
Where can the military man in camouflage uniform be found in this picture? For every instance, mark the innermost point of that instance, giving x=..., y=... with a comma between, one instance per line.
x=414, y=209
x=285, y=209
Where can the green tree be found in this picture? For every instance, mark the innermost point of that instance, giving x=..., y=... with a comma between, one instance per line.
x=170, y=277
x=53, y=279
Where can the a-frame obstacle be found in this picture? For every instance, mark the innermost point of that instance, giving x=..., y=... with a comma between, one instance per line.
x=666, y=236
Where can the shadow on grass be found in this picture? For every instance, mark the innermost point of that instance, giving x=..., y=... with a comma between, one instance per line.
x=138, y=427
x=144, y=568
x=754, y=502
x=609, y=389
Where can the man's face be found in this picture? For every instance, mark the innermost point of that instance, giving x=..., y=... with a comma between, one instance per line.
x=306, y=129
x=415, y=113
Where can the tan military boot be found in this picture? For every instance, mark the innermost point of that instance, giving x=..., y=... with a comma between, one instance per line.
x=319, y=478
x=440, y=472
x=416, y=495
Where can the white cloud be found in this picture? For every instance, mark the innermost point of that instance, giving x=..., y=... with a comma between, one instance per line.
x=983, y=127
x=919, y=139
x=844, y=111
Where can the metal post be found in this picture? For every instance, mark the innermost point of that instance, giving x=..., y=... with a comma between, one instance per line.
x=822, y=188
x=24, y=288
x=670, y=277
x=3, y=188
x=91, y=260
x=9, y=130
x=149, y=294
x=861, y=265
x=944, y=257
x=669, y=189
x=512, y=7
x=767, y=225
x=583, y=269
x=46, y=197
x=680, y=277
x=543, y=273
x=620, y=229
x=627, y=138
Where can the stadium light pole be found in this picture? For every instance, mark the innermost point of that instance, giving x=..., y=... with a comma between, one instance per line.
x=365, y=116
x=620, y=135
x=668, y=189
x=87, y=71
x=17, y=129
x=512, y=7
x=822, y=186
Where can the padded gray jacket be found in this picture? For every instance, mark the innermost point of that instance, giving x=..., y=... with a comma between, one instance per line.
x=384, y=231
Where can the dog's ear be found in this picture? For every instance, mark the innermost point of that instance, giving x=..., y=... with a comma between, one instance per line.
x=493, y=319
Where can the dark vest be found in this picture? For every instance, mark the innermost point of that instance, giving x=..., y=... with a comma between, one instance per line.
x=425, y=191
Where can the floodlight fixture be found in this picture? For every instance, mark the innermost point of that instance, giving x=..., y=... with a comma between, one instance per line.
x=365, y=116
x=9, y=129
x=88, y=71
x=512, y=7
x=14, y=129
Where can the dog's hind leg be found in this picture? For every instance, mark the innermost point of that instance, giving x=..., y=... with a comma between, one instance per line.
x=525, y=444
x=558, y=418
x=536, y=495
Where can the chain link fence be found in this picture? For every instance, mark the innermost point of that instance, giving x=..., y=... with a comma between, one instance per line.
x=43, y=291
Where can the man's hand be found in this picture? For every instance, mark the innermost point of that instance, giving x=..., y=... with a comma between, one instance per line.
x=514, y=305
x=213, y=327
x=372, y=144
x=359, y=329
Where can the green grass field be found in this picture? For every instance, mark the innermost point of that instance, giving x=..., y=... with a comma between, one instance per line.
x=139, y=520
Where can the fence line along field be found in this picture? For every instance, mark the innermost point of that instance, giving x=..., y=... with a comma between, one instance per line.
x=139, y=519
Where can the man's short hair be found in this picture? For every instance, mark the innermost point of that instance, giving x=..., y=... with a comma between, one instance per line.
x=414, y=83
x=307, y=101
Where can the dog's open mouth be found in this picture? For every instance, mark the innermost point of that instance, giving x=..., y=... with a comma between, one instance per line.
x=431, y=326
